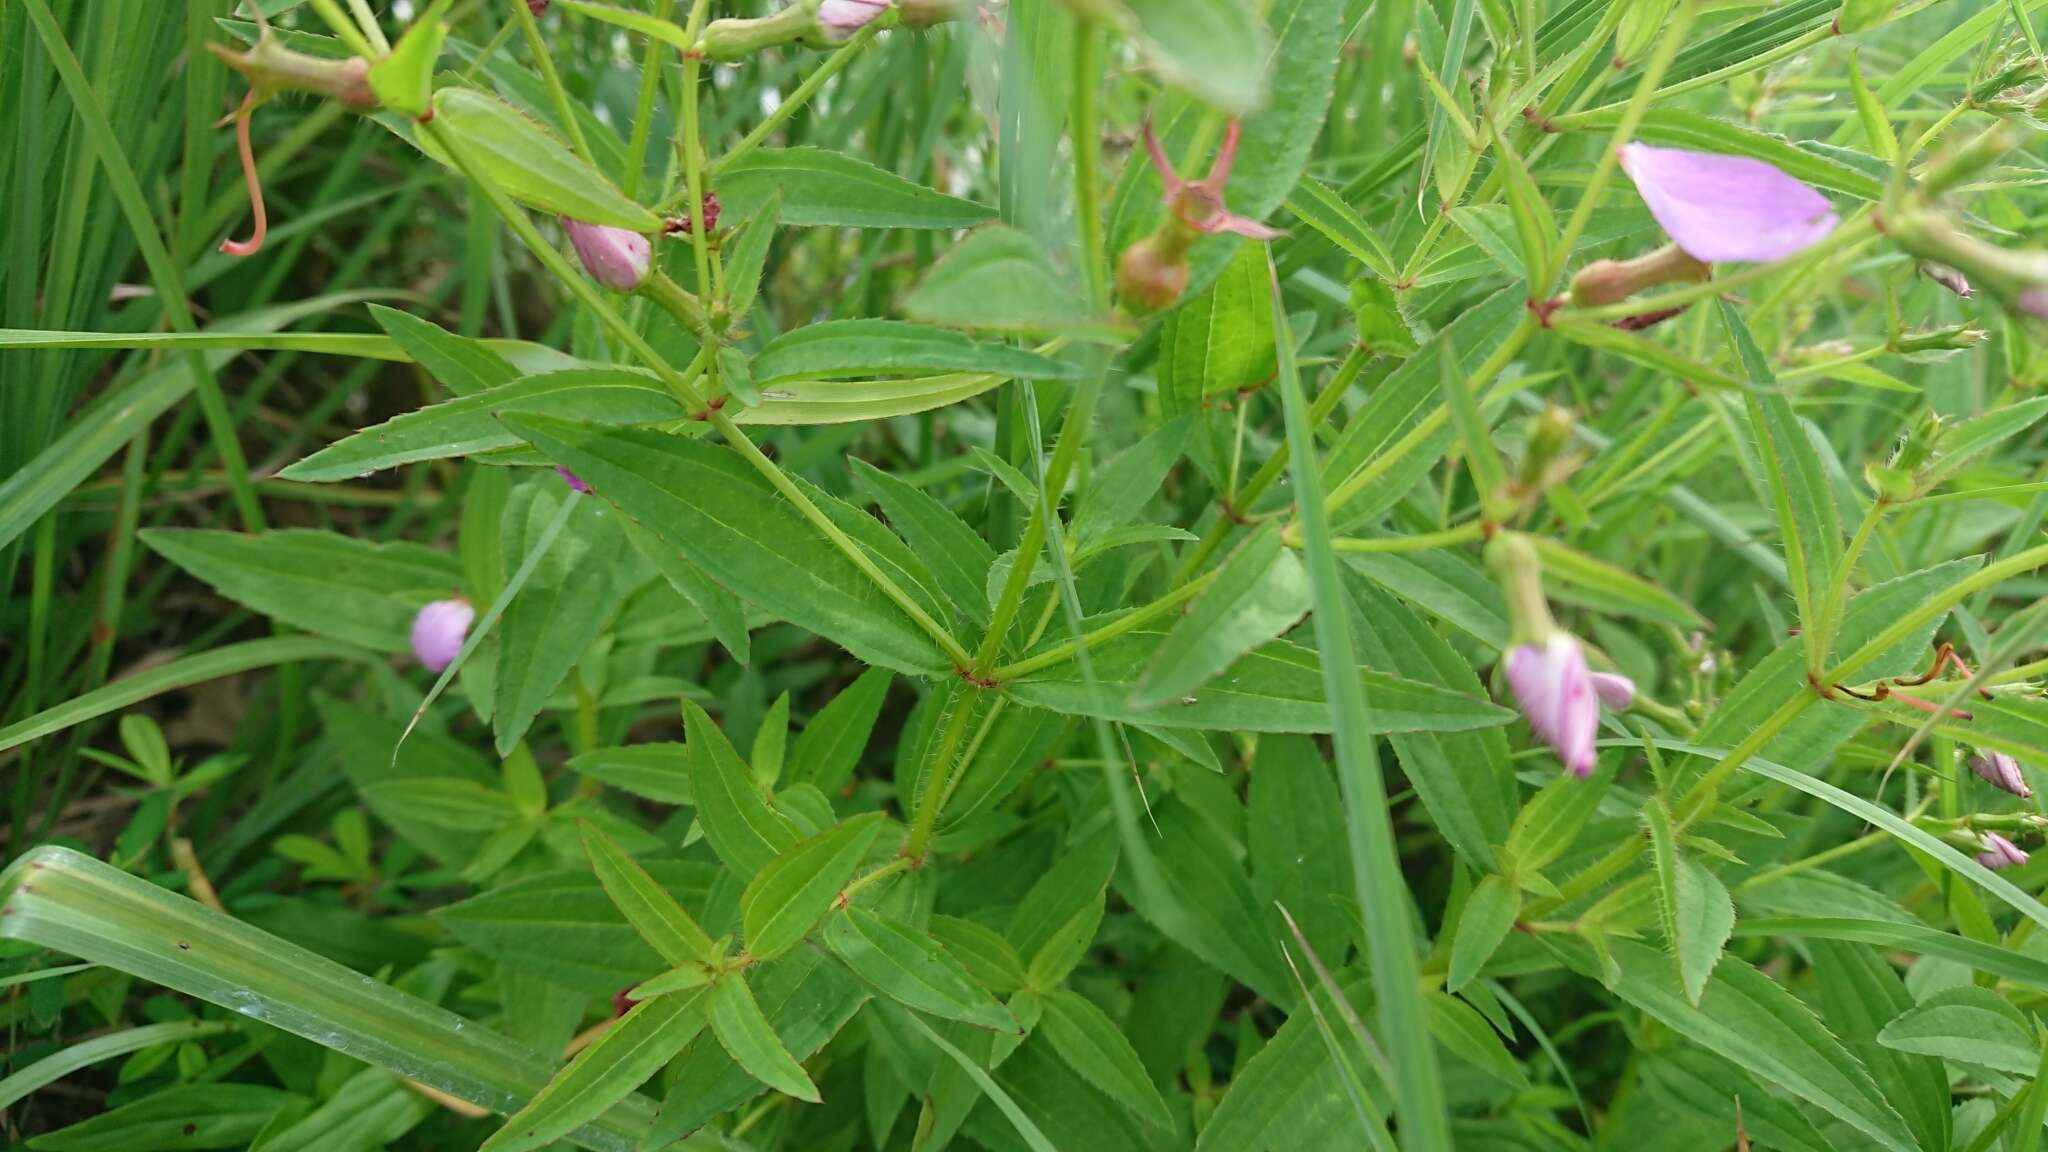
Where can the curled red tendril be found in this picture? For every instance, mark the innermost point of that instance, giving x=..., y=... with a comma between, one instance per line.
x=242, y=117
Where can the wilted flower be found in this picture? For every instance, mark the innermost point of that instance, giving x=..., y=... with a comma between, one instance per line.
x=537, y=7
x=1616, y=692
x=615, y=257
x=574, y=481
x=2002, y=772
x=1721, y=208
x=1556, y=692
x=1199, y=203
x=842, y=18
x=680, y=225
x=439, y=630
x=2000, y=853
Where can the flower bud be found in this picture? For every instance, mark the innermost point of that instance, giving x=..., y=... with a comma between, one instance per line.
x=1153, y=272
x=1949, y=338
x=439, y=630
x=614, y=257
x=574, y=481
x=2000, y=853
x=2002, y=772
x=1640, y=24
x=1612, y=281
x=1556, y=692
x=1948, y=278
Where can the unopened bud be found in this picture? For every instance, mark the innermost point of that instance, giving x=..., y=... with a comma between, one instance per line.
x=1153, y=272
x=614, y=257
x=1951, y=338
x=1947, y=277
x=1612, y=281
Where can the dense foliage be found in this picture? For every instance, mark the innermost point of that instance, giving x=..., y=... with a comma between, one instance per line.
x=1080, y=575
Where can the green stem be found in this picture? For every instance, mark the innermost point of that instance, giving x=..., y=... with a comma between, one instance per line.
x=693, y=170
x=1419, y=542
x=1431, y=424
x=1325, y=403
x=797, y=99
x=1130, y=621
x=643, y=112
x=1701, y=795
x=1838, y=585
x=1087, y=140
x=544, y=61
x=344, y=28
x=1930, y=610
x=1624, y=130
x=937, y=779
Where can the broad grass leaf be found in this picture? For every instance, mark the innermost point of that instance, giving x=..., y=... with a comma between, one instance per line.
x=822, y=188
x=708, y=504
x=1294, y=832
x=180, y=1116
x=1745, y=1017
x=326, y=583
x=788, y=897
x=746, y=1036
x=469, y=424
x=1215, y=50
x=614, y=1066
x=912, y=969
x=1276, y=687
x=1859, y=994
x=998, y=279
x=841, y=349
x=1258, y=593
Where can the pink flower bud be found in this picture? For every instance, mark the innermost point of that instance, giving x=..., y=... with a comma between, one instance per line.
x=537, y=7
x=615, y=257
x=2000, y=853
x=1555, y=691
x=2002, y=772
x=439, y=630
x=1616, y=692
x=574, y=481
x=842, y=18
x=1720, y=208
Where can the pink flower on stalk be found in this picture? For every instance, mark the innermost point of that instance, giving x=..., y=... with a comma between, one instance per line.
x=2000, y=853
x=2002, y=772
x=439, y=630
x=1556, y=692
x=1727, y=208
x=574, y=481
x=1199, y=203
x=617, y=258
x=842, y=18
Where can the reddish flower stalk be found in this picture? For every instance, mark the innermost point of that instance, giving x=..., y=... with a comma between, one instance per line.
x=242, y=116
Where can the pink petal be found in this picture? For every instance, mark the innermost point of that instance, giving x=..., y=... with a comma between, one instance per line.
x=1727, y=208
x=1616, y=692
x=2000, y=852
x=850, y=15
x=1555, y=691
x=1242, y=225
x=439, y=630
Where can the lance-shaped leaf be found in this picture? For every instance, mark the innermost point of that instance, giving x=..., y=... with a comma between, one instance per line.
x=789, y=896
x=839, y=349
x=1489, y=915
x=999, y=280
x=1259, y=593
x=912, y=969
x=647, y=906
x=1967, y=1025
x=819, y=187
x=529, y=162
x=745, y=832
x=707, y=503
x=1094, y=1046
x=746, y=1036
x=619, y=1061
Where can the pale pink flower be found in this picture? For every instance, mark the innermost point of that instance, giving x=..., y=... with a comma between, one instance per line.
x=439, y=630
x=2000, y=853
x=1556, y=692
x=1727, y=208
x=617, y=258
